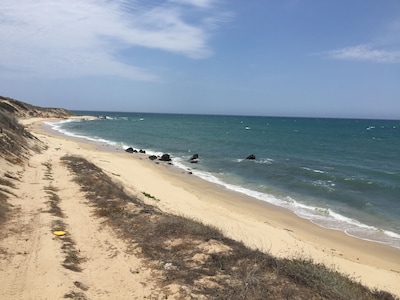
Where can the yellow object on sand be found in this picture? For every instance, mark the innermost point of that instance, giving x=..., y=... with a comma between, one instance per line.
x=59, y=233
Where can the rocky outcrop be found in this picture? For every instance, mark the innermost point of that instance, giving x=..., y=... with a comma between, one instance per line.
x=165, y=157
x=130, y=150
x=251, y=157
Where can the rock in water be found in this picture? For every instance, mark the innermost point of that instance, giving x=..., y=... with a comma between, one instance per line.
x=165, y=157
x=194, y=159
x=129, y=150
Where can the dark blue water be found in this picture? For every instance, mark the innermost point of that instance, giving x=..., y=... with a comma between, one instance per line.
x=340, y=173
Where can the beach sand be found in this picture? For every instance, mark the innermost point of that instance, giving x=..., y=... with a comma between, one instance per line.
x=255, y=223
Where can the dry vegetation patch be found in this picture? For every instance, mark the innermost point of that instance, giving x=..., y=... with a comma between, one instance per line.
x=72, y=259
x=6, y=190
x=199, y=260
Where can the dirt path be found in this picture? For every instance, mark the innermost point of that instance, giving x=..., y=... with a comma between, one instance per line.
x=90, y=262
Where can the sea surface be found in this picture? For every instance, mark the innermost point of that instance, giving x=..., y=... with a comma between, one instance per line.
x=341, y=174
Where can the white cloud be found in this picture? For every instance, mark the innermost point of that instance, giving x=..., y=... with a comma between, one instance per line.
x=365, y=53
x=197, y=3
x=69, y=38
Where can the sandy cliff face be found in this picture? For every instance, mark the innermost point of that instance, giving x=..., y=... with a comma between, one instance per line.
x=15, y=141
x=24, y=110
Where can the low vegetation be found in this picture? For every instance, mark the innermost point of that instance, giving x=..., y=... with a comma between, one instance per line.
x=200, y=259
x=3, y=207
x=150, y=196
x=72, y=259
x=6, y=187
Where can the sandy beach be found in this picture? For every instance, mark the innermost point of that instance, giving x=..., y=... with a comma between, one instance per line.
x=255, y=223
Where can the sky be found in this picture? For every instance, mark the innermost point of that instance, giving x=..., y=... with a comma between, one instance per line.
x=303, y=58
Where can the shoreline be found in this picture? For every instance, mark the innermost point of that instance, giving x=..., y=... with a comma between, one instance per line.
x=322, y=217
x=254, y=222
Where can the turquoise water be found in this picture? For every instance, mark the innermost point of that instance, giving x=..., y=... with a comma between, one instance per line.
x=341, y=174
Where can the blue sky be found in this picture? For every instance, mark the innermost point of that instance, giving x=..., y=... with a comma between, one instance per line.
x=259, y=57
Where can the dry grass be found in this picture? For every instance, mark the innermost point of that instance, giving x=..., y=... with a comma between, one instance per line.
x=5, y=192
x=4, y=207
x=202, y=261
x=75, y=296
x=53, y=202
x=6, y=182
x=15, y=141
x=51, y=191
x=72, y=259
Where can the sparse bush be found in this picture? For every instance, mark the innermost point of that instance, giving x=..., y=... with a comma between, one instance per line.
x=150, y=196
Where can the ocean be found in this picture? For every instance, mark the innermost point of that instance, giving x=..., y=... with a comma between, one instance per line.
x=341, y=174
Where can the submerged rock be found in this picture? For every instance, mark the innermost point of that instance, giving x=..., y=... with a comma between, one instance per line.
x=251, y=156
x=194, y=159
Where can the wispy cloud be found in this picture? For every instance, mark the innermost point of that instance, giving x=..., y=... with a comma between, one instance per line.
x=365, y=53
x=198, y=3
x=69, y=38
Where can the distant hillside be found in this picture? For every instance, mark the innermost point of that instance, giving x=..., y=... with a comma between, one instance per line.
x=24, y=110
x=15, y=141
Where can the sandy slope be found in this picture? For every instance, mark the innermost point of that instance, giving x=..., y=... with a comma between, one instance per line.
x=31, y=257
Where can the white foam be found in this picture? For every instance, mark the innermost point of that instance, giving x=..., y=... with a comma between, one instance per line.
x=324, y=217
x=313, y=170
x=57, y=127
x=267, y=161
x=392, y=234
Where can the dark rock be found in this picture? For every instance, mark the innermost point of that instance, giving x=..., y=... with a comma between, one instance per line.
x=251, y=156
x=194, y=156
x=165, y=157
x=142, y=151
x=194, y=159
x=152, y=157
x=129, y=150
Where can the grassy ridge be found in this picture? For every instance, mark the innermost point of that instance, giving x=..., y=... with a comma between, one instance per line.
x=180, y=249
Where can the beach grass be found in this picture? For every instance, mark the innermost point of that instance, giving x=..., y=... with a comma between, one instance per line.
x=200, y=259
x=6, y=187
x=4, y=207
x=72, y=259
